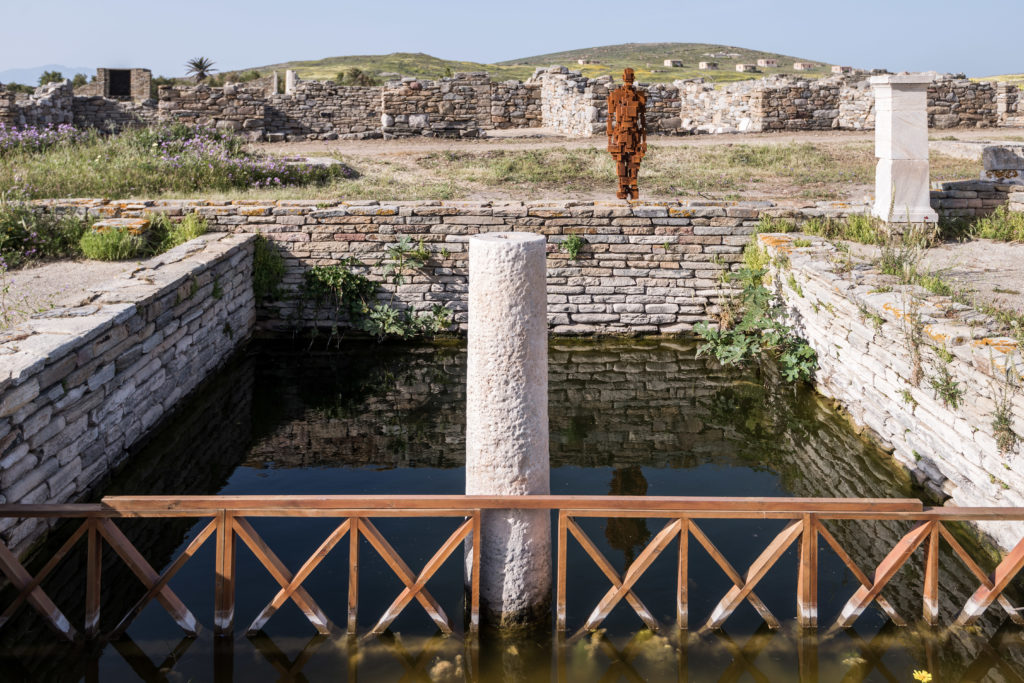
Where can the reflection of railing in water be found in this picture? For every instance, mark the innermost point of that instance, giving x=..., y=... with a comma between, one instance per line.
x=228, y=518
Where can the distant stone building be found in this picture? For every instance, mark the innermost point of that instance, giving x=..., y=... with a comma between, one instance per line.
x=587, y=60
x=803, y=66
x=673, y=63
x=119, y=84
x=842, y=69
x=708, y=66
x=767, y=62
x=746, y=68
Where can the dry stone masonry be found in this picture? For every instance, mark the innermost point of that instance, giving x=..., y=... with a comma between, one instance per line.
x=880, y=345
x=80, y=385
x=467, y=104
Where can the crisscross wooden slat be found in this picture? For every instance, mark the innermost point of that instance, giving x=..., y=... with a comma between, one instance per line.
x=1012, y=563
x=859, y=574
x=980, y=574
x=147, y=575
x=608, y=570
x=432, y=565
x=406, y=575
x=633, y=573
x=282, y=575
x=25, y=590
x=621, y=666
x=765, y=561
x=733, y=575
x=31, y=591
x=886, y=569
x=311, y=563
x=165, y=577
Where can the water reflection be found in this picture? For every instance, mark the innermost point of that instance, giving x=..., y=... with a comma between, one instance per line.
x=627, y=418
x=787, y=655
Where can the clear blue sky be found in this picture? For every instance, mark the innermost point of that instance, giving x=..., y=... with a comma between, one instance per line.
x=895, y=34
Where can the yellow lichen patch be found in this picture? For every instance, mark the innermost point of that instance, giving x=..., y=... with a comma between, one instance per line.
x=254, y=211
x=679, y=212
x=783, y=243
x=1001, y=344
x=135, y=226
x=937, y=336
x=895, y=311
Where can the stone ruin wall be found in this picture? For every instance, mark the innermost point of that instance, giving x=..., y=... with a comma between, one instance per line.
x=324, y=110
x=857, y=321
x=449, y=107
x=467, y=104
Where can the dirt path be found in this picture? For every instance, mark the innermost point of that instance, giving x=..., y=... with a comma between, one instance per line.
x=542, y=138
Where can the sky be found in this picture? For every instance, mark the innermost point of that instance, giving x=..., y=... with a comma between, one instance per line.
x=900, y=35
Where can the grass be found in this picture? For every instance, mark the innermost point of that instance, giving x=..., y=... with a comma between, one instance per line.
x=175, y=160
x=111, y=245
x=1003, y=225
x=128, y=166
x=646, y=58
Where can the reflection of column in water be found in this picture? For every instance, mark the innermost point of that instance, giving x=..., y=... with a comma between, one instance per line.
x=628, y=534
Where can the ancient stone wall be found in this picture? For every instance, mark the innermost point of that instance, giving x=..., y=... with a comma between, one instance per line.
x=323, y=110
x=112, y=116
x=970, y=198
x=459, y=106
x=1016, y=201
x=79, y=385
x=956, y=101
x=515, y=104
x=884, y=351
x=232, y=107
x=856, y=107
x=49, y=105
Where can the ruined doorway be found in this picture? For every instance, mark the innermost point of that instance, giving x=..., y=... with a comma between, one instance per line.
x=120, y=83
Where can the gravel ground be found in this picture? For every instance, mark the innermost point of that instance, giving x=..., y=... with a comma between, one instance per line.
x=42, y=287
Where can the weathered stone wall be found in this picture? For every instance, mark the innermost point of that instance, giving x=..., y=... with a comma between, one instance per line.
x=49, y=105
x=970, y=198
x=882, y=347
x=515, y=104
x=459, y=106
x=956, y=101
x=232, y=107
x=80, y=385
x=856, y=107
x=323, y=110
x=1016, y=201
x=110, y=115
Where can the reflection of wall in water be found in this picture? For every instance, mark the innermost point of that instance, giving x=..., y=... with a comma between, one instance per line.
x=193, y=452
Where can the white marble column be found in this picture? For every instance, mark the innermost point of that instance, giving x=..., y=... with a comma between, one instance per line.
x=290, y=79
x=901, y=145
x=507, y=421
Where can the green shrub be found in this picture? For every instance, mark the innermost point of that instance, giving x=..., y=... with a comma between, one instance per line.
x=166, y=234
x=1003, y=225
x=114, y=244
x=757, y=327
x=27, y=235
x=572, y=245
x=267, y=270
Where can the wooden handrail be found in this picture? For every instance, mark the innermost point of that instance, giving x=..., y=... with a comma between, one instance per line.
x=228, y=525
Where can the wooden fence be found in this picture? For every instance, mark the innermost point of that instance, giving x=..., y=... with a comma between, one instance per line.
x=228, y=522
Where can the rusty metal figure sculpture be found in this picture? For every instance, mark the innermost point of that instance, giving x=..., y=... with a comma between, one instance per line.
x=627, y=133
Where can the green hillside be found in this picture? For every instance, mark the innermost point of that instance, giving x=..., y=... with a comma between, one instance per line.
x=645, y=58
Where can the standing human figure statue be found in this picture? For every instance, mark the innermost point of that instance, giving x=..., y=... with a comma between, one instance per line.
x=627, y=133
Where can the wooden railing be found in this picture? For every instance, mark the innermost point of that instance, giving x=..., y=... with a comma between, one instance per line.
x=228, y=523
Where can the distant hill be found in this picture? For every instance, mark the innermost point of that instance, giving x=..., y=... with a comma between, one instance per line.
x=646, y=58
x=30, y=75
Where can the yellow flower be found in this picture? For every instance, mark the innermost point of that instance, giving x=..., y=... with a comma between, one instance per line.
x=923, y=676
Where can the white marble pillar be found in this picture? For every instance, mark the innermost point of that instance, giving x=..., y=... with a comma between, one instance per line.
x=507, y=422
x=290, y=79
x=901, y=145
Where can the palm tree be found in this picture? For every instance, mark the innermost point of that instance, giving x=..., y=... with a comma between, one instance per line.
x=199, y=68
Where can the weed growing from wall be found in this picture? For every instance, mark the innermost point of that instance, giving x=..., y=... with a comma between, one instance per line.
x=573, y=244
x=1002, y=422
x=752, y=324
x=267, y=270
